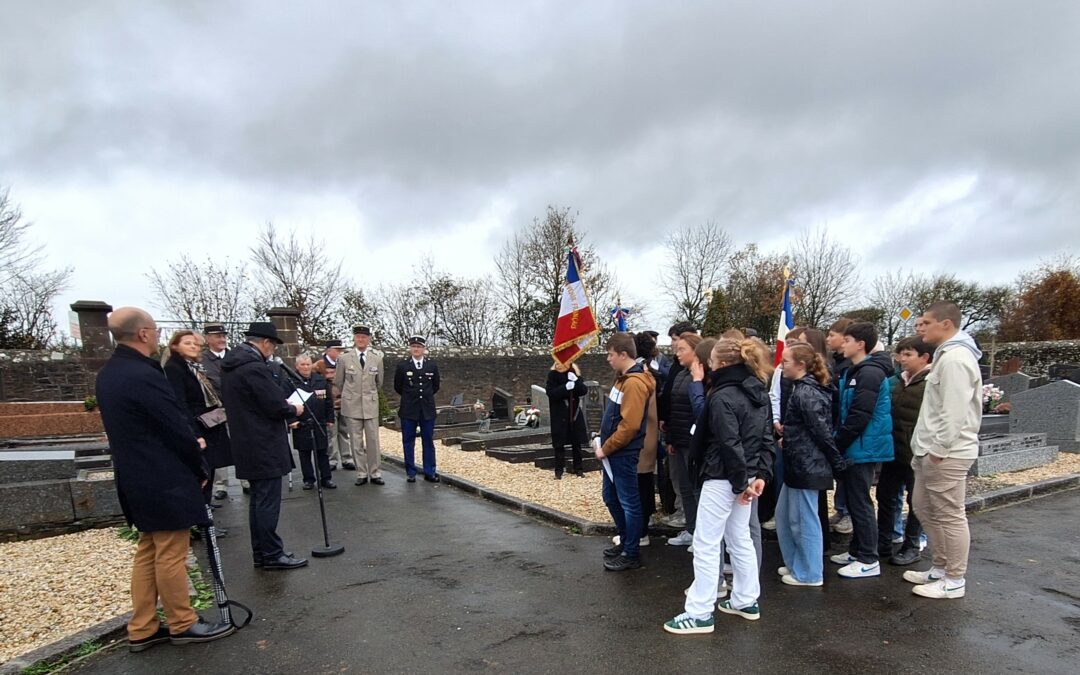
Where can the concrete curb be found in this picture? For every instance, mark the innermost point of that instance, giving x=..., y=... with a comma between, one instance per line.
x=1020, y=493
x=107, y=631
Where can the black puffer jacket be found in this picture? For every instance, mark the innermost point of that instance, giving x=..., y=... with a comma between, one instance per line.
x=906, y=404
x=811, y=458
x=681, y=415
x=733, y=439
x=257, y=415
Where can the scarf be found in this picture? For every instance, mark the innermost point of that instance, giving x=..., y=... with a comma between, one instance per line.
x=210, y=396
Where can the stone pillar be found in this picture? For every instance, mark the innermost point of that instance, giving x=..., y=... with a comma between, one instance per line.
x=97, y=344
x=284, y=319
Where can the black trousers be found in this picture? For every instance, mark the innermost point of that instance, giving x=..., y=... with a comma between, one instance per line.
x=895, y=475
x=560, y=457
x=647, y=490
x=307, y=469
x=264, y=509
x=857, y=481
x=665, y=488
x=823, y=516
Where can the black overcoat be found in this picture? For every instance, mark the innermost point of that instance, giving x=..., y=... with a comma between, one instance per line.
x=189, y=392
x=258, y=415
x=567, y=430
x=417, y=389
x=156, y=460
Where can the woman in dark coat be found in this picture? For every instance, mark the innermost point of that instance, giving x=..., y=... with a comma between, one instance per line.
x=565, y=390
x=195, y=392
x=321, y=405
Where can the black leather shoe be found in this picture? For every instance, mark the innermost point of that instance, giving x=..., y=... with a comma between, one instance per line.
x=202, y=631
x=377, y=481
x=333, y=466
x=622, y=563
x=258, y=563
x=162, y=635
x=905, y=556
x=431, y=479
x=613, y=552
x=309, y=485
x=348, y=466
x=558, y=476
x=216, y=506
x=410, y=479
x=284, y=562
x=329, y=484
x=360, y=481
x=579, y=474
x=221, y=494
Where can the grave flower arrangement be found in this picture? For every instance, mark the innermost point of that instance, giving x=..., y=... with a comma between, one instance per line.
x=992, y=396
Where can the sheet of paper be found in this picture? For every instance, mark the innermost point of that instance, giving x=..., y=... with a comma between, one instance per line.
x=607, y=468
x=298, y=397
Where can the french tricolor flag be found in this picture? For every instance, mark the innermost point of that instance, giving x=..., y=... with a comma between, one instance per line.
x=787, y=321
x=576, y=329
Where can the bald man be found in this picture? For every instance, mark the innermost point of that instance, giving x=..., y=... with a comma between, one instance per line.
x=159, y=472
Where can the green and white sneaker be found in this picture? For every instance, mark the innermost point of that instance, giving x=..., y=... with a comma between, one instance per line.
x=942, y=589
x=920, y=578
x=684, y=624
x=751, y=613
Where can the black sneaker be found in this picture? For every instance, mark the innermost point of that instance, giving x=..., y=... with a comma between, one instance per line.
x=613, y=552
x=162, y=635
x=309, y=485
x=622, y=563
x=905, y=556
x=202, y=631
x=434, y=478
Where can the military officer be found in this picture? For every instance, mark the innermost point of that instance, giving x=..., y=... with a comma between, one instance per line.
x=357, y=380
x=416, y=380
x=340, y=447
x=217, y=346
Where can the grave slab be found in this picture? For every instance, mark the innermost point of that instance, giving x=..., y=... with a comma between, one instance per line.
x=1053, y=409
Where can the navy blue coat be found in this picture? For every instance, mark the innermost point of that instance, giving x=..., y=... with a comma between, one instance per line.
x=258, y=412
x=321, y=408
x=417, y=389
x=157, y=462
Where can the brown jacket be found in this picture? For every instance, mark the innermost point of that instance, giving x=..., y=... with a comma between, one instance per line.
x=632, y=398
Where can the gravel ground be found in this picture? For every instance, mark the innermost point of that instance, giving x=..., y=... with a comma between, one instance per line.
x=52, y=588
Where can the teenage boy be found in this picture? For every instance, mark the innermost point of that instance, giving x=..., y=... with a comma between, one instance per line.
x=945, y=443
x=864, y=435
x=622, y=438
x=834, y=341
x=914, y=356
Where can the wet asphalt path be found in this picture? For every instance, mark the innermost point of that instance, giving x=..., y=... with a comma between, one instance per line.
x=434, y=580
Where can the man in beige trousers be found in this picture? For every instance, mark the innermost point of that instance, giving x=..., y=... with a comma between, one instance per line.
x=358, y=379
x=944, y=445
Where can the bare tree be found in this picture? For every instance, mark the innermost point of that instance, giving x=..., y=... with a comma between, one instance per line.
x=196, y=292
x=358, y=308
x=400, y=314
x=696, y=258
x=826, y=275
x=981, y=306
x=891, y=292
x=27, y=292
x=514, y=290
x=299, y=274
x=470, y=316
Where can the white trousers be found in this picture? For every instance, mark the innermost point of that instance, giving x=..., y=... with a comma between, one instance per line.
x=722, y=519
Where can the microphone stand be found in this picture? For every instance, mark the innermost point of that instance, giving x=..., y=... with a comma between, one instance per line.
x=326, y=550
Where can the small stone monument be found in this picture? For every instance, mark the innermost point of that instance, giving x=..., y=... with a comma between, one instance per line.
x=1053, y=410
x=1010, y=384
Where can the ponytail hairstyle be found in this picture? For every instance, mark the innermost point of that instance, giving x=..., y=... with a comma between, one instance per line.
x=810, y=359
x=733, y=352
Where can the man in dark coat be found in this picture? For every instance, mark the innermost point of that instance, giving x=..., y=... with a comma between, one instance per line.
x=217, y=346
x=416, y=380
x=159, y=471
x=258, y=413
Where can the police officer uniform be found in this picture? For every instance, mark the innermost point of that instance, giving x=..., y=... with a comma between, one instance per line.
x=416, y=380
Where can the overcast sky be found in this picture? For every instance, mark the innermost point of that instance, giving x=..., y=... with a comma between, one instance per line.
x=930, y=135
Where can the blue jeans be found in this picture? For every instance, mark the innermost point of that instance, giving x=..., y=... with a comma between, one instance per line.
x=427, y=441
x=623, y=500
x=799, y=532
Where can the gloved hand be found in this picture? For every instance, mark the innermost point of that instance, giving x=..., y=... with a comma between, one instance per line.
x=572, y=376
x=569, y=386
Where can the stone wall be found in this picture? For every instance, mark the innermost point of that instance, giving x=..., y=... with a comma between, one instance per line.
x=1035, y=357
x=43, y=376
x=476, y=371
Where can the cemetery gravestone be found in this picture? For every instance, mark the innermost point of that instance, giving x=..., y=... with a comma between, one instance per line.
x=1063, y=371
x=541, y=402
x=1053, y=409
x=1013, y=383
x=502, y=404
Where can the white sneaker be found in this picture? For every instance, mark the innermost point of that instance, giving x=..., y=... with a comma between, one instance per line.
x=783, y=571
x=644, y=541
x=792, y=581
x=942, y=589
x=844, y=525
x=769, y=525
x=920, y=578
x=858, y=570
x=684, y=538
x=842, y=559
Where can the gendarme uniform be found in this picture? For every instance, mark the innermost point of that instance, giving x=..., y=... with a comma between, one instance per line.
x=417, y=382
x=358, y=379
